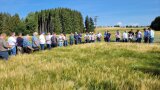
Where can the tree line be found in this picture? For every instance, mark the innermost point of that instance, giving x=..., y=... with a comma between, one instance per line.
x=59, y=20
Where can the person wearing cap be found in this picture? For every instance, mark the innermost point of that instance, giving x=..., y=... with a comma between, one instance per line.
x=12, y=42
x=4, y=47
x=48, y=40
x=42, y=41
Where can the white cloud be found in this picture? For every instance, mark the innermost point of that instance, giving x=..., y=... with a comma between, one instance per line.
x=119, y=23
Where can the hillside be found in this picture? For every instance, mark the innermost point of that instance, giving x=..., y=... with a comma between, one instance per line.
x=98, y=66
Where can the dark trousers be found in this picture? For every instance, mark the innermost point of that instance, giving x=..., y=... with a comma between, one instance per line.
x=27, y=50
x=71, y=42
x=146, y=39
x=49, y=46
x=4, y=55
x=54, y=45
x=42, y=46
x=125, y=40
x=117, y=39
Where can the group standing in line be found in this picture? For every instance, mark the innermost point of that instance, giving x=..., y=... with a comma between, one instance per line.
x=26, y=44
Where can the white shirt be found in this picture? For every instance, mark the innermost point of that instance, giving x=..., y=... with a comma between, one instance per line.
x=12, y=41
x=42, y=39
x=99, y=35
x=125, y=35
x=48, y=39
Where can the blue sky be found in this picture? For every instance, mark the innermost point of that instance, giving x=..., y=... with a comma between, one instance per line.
x=109, y=12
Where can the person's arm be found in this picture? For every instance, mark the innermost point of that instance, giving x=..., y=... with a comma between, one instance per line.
x=6, y=45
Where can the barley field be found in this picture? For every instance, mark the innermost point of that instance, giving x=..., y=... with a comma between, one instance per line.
x=94, y=66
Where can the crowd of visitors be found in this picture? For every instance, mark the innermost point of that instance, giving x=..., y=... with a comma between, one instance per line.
x=27, y=44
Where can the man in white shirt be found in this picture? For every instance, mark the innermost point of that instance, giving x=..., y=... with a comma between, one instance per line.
x=48, y=40
x=42, y=41
x=12, y=42
x=125, y=36
x=99, y=36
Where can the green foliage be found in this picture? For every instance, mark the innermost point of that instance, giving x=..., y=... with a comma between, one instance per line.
x=31, y=23
x=60, y=20
x=89, y=24
x=156, y=24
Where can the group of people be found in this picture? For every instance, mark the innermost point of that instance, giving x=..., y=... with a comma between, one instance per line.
x=26, y=44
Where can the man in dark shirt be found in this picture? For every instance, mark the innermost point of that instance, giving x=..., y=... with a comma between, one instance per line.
x=76, y=38
x=4, y=47
x=54, y=40
x=20, y=44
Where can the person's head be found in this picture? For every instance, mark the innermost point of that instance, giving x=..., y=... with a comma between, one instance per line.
x=149, y=29
x=54, y=34
x=27, y=37
x=48, y=33
x=3, y=35
x=13, y=34
x=144, y=29
x=137, y=30
x=20, y=34
x=35, y=34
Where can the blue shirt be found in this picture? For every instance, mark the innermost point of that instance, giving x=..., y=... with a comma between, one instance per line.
x=146, y=33
x=35, y=40
x=26, y=43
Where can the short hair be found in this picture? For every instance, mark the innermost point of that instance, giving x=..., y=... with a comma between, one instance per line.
x=35, y=33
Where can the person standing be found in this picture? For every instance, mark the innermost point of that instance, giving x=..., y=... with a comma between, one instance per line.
x=35, y=42
x=130, y=35
x=105, y=36
x=125, y=36
x=54, y=40
x=20, y=44
x=86, y=37
x=99, y=36
x=79, y=38
x=65, y=40
x=4, y=47
x=60, y=40
x=151, y=36
x=42, y=41
x=139, y=36
x=118, y=36
x=12, y=42
x=48, y=40
x=76, y=38
x=71, y=39
x=108, y=36
x=92, y=37
x=146, y=36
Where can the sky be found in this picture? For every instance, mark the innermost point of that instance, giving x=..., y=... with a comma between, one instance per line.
x=109, y=12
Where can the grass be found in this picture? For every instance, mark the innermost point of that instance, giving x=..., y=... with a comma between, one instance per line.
x=98, y=66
